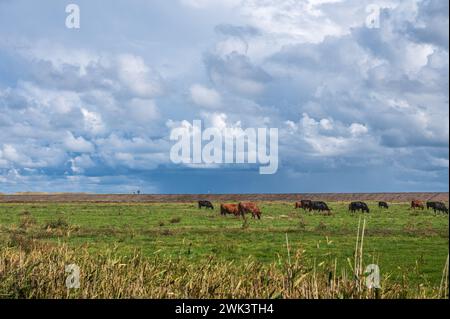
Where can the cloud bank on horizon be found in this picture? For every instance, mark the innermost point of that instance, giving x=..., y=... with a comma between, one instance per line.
x=358, y=109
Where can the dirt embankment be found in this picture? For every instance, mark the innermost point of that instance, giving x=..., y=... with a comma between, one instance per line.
x=124, y=198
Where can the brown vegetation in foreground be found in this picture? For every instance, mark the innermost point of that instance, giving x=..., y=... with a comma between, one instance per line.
x=40, y=274
x=29, y=269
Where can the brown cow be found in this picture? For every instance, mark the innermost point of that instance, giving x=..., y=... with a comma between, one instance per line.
x=298, y=205
x=229, y=209
x=417, y=204
x=249, y=208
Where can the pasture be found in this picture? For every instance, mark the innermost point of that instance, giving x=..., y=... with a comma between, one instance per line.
x=410, y=247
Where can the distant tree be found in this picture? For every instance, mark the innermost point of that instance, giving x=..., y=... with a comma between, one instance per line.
x=138, y=192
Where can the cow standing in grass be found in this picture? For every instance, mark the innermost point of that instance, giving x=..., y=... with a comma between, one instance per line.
x=232, y=209
x=440, y=207
x=383, y=205
x=358, y=206
x=430, y=204
x=417, y=204
x=205, y=203
x=305, y=204
x=319, y=206
x=245, y=208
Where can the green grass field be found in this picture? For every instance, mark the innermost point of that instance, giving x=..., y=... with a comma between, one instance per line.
x=407, y=245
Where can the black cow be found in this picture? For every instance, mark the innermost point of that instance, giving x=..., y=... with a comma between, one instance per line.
x=431, y=205
x=205, y=203
x=306, y=204
x=319, y=206
x=355, y=206
x=440, y=207
x=383, y=205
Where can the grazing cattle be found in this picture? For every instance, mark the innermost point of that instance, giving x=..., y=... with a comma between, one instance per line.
x=249, y=207
x=232, y=209
x=431, y=205
x=417, y=204
x=305, y=204
x=298, y=205
x=205, y=203
x=319, y=206
x=440, y=207
x=383, y=205
x=356, y=206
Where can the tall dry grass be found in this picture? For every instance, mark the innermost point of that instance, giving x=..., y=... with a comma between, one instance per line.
x=40, y=273
x=31, y=269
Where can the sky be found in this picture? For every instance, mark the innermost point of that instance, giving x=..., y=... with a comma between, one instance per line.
x=358, y=107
